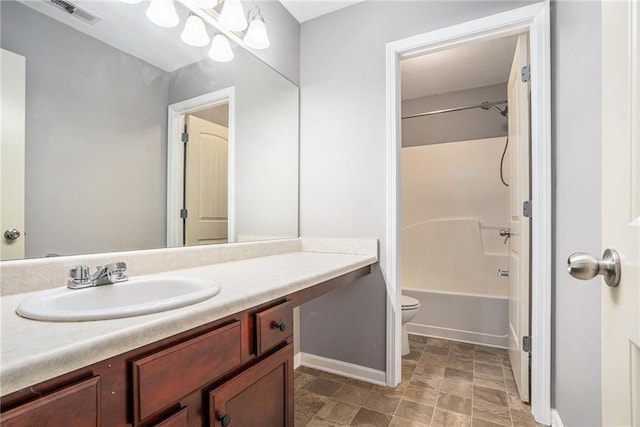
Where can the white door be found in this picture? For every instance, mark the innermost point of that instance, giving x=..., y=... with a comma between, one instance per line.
x=519, y=225
x=206, y=182
x=621, y=211
x=12, y=155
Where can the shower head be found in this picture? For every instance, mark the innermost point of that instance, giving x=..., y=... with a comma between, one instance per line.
x=504, y=112
x=487, y=105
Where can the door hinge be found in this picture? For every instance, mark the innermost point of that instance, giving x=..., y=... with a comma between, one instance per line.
x=526, y=208
x=184, y=213
x=185, y=137
x=526, y=344
x=525, y=72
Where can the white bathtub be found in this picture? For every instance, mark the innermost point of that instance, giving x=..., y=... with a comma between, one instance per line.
x=470, y=318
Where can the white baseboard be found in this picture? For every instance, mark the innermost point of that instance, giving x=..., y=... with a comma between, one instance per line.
x=297, y=359
x=555, y=418
x=344, y=369
x=458, y=335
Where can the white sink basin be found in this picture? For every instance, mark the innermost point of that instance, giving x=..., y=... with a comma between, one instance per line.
x=132, y=298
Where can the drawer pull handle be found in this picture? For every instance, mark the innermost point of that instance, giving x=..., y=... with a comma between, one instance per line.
x=281, y=326
x=224, y=420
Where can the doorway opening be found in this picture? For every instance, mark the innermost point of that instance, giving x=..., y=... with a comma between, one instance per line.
x=464, y=172
x=430, y=236
x=200, y=170
x=205, y=178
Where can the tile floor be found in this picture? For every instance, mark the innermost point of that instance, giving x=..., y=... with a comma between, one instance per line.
x=444, y=383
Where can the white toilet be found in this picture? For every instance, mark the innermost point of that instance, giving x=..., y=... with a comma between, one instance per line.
x=410, y=307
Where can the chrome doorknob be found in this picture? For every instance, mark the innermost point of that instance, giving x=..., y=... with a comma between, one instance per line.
x=585, y=266
x=12, y=234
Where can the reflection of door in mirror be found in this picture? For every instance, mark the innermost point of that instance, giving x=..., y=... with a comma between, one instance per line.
x=12, y=155
x=206, y=178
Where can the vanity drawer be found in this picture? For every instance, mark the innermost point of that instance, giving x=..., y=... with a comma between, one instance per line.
x=163, y=378
x=273, y=326
x=179, y=419
x=75, y=405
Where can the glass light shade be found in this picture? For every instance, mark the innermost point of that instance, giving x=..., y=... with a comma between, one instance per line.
x=232, y=16
x=220, y=50
x=205, y=4
x=195, y=32
x=163, y=13
x=256, y=37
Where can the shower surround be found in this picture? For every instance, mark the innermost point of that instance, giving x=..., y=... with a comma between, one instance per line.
x=453, y=208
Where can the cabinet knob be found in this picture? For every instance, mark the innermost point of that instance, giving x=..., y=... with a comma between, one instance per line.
x=281, y=326
x=224, y=420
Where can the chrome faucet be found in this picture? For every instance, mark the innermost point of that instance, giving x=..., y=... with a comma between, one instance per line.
x=104, y=275
x=110, y=274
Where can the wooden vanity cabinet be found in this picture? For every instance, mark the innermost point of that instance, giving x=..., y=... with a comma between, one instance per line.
x=75, y=405
x=235, y=371
x=181, y=374
x=178, y=419
x=166, y=376
x=266, y=388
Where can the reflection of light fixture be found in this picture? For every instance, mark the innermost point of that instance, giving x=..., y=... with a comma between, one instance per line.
x=232, y=16
x=163, y=13
x=195, y=32
x=251, y=29
x=205, y=4
x=220, y=50
x=256, y=36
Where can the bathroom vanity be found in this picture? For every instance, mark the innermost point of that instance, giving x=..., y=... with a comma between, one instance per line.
x=224, y=361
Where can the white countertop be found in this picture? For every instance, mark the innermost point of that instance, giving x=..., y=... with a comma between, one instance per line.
x=34, y=351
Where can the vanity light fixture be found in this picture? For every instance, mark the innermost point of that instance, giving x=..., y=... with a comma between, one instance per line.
x=205, y=4
x=220, y=50
x=232, y=16
x=256, y=36
x=251, y=29
x=195, y=32
x=163, y=13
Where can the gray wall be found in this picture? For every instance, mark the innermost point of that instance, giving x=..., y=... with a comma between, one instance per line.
x=342, y=155
x=343, y=176
x=284, y=33
x=577, y=142
x=86, y=166
x=266, y=144
x=457, y=125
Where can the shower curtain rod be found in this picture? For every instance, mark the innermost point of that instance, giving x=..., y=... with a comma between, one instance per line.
x=484, y=105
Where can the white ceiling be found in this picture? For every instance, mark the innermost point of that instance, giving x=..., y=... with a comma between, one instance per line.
x=466, y=67
x=304, y=10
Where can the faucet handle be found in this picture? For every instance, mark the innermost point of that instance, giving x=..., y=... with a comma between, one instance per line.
x=116, y=271
x=79, y=272
x=80, y=277
x=117, y=267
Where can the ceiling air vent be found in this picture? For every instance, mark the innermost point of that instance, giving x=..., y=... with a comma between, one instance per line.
x=74, y=10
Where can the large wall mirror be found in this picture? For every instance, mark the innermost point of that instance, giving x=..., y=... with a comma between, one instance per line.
x=105, y=107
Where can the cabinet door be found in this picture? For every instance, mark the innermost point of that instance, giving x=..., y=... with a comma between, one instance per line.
x=76, y=405
x=260, y=396
x=179, y=419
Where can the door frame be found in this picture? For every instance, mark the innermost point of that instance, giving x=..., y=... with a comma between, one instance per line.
x=175, y=157
x=534, y=19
